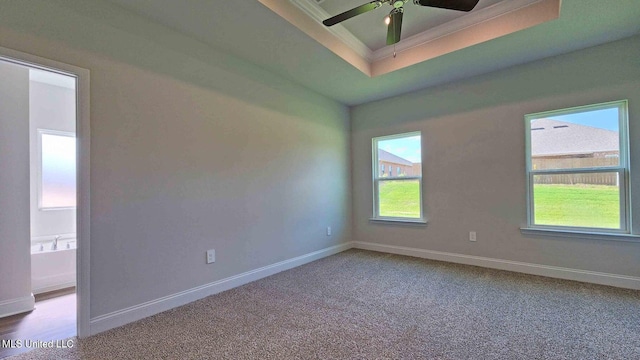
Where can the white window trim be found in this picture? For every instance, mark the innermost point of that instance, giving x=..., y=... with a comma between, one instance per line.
x=40, y=164
x=377, y=178
x=625, y=232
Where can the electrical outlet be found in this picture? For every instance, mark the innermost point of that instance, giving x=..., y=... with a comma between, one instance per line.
x=472, y=236
x=211, y=256
x=328, y=230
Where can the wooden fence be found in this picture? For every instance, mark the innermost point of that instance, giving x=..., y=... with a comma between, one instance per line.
x=573, y=162
x=584, y=178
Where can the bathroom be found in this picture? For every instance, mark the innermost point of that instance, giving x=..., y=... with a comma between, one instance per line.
x=52, y=107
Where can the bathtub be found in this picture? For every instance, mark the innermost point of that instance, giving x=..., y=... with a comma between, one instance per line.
x=53, y=269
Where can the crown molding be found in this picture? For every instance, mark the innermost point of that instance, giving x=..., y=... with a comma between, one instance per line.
x=318, y=32
x=475, y=27
x=311, y=8
x=456, y=25
x=536, y=13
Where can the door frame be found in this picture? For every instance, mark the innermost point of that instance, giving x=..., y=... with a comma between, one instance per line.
x=83, y=136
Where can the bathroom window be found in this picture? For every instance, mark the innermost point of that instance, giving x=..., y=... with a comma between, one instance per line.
x=57, y=185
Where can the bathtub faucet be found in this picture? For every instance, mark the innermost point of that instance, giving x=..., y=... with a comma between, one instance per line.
x=54, y=245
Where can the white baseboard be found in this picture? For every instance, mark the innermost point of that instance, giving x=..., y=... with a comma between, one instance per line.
x=17, y=306
x=149, y=308
x=622, y=281
x=54, y=287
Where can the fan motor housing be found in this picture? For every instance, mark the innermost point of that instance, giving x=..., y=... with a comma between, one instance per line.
x=398, y=3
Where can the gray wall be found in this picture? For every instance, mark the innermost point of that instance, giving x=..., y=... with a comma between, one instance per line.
x=191, y=149
x=474, y=152
x=51, y=108
x=15, y=261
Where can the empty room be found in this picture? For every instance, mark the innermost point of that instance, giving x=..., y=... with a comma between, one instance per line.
x=319, y=179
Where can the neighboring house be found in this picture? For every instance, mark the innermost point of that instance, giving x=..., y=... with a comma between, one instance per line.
x=561, y=145
x=393, y=165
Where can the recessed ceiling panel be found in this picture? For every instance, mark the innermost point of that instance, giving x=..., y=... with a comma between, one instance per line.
x=371, y=30
x=492, y=20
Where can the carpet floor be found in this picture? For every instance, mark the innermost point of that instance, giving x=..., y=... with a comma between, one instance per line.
x=368, y=305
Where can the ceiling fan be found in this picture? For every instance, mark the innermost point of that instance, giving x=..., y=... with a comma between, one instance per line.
x=394, y=20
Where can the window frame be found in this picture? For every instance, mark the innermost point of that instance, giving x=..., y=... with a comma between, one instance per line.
x=377, y=178
x=40, y=165
x=622, y=169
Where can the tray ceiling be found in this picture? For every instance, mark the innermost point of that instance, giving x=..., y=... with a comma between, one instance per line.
x=429, y=32
x=372, y=32
x=251, y=32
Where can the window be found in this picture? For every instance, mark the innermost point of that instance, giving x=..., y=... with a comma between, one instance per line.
x=398, y=197
x=398, y=172
x=577, y=168
x=57, y=183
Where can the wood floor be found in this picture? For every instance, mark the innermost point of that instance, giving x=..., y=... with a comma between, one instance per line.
x=54, y=318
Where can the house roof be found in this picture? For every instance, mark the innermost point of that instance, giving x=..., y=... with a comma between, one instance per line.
x=389, y=157
x=552, y=137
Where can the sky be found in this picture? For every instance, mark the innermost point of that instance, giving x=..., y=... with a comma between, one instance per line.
x=604, y=119
x=407, y=148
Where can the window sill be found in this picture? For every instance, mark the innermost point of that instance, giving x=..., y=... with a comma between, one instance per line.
x=383, y=220
x=580, y=234
x=57, y=208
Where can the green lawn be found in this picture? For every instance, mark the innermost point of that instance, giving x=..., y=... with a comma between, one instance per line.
x=577, y=205
x=596, y=206
x=400, y=198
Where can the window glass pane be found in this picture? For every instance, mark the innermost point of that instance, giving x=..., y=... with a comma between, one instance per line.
x=58, y=171
x=580, y=200
x=399, y=198
x=404, y=154
x=585, y=139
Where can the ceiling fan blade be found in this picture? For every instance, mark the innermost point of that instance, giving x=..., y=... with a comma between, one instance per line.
x=461, y=5
x=351, y=13
x=395, y=26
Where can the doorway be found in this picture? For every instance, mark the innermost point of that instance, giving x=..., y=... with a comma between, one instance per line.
x=44, y=237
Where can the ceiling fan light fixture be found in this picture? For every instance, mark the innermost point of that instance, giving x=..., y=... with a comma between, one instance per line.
x=394, y=20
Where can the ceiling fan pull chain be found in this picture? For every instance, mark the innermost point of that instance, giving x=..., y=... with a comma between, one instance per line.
x=394, y=44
